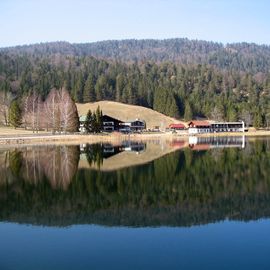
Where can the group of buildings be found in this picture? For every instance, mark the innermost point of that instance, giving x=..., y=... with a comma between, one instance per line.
x=198, y=127
x=110, y=124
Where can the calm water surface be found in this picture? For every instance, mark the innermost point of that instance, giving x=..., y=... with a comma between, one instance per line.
x=197, y=204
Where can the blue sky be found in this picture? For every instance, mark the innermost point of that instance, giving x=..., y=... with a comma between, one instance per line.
x=33, y=21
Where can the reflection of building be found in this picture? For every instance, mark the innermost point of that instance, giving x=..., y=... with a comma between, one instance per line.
x=107, y=150
x=132, y=146
x=204, y=143
x=179, y=144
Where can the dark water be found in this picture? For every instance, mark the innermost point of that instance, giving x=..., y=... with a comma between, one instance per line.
x=202, y=204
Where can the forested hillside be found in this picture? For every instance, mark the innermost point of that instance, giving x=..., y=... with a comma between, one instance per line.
x=179, y=77
x=247, y=57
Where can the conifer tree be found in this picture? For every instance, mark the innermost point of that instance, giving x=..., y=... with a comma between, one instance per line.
x=188, y=112
x=94, y=122
x=89, y=90
x=15, y=114
x=89, y=121
x=98, y=119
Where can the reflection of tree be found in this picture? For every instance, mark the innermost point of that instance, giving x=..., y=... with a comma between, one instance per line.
x=15, y=162
x=94, y=154
x=57, y=163
x=61, y=165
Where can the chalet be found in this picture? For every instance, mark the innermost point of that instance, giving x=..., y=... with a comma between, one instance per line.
x=132, y=126
x=110, y=124
x=196, y=127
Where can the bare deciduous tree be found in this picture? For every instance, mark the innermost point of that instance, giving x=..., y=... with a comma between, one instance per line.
x=52, y=110
x=57, y=113
x=246, y=117
x=68, y=112
x=5, y=101
x=217, y=114
x=33, y=108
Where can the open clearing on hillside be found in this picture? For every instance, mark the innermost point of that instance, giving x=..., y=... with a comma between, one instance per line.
x=125, y=112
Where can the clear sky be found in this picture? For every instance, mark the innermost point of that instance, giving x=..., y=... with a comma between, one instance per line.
x=33, y=21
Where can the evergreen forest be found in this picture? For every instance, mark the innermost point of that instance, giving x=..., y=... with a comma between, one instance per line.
x=181, y=78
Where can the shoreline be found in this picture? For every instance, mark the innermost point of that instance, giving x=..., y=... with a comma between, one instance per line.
x=47, y=138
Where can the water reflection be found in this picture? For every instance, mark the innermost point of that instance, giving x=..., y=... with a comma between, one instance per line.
x=55, y=164
x=49, y=185
x=198, y=143
x=96, y=153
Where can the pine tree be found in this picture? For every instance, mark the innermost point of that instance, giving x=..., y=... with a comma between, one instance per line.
x=15, y=114
x=231, y=114
x=89, y=121
x=98, y=120
x=89, y=94
x=188, y=112
x=94, y=122
x=120, y=85
x=258, y=121
x=79, y=87
x=174, y=111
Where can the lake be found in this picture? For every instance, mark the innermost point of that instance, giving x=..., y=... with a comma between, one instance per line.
x=201, y=203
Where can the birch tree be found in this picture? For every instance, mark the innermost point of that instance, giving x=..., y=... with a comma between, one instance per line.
x=68, y=112
x=5, y=101
x=52, y=110
x=33, y=107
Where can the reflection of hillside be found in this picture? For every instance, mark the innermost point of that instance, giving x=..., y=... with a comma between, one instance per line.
x=125, y=155
x=182, y=188
x=108, y=157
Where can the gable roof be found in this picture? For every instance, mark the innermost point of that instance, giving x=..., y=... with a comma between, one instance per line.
x=109, y=118
x=199, y=123
x=177, y=125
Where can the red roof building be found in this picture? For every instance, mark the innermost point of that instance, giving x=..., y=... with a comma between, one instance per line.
x=195, y=127
x=177, y=126
x=198, y=124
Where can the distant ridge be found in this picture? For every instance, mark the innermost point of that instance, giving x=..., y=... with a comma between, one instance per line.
x=247, y=57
